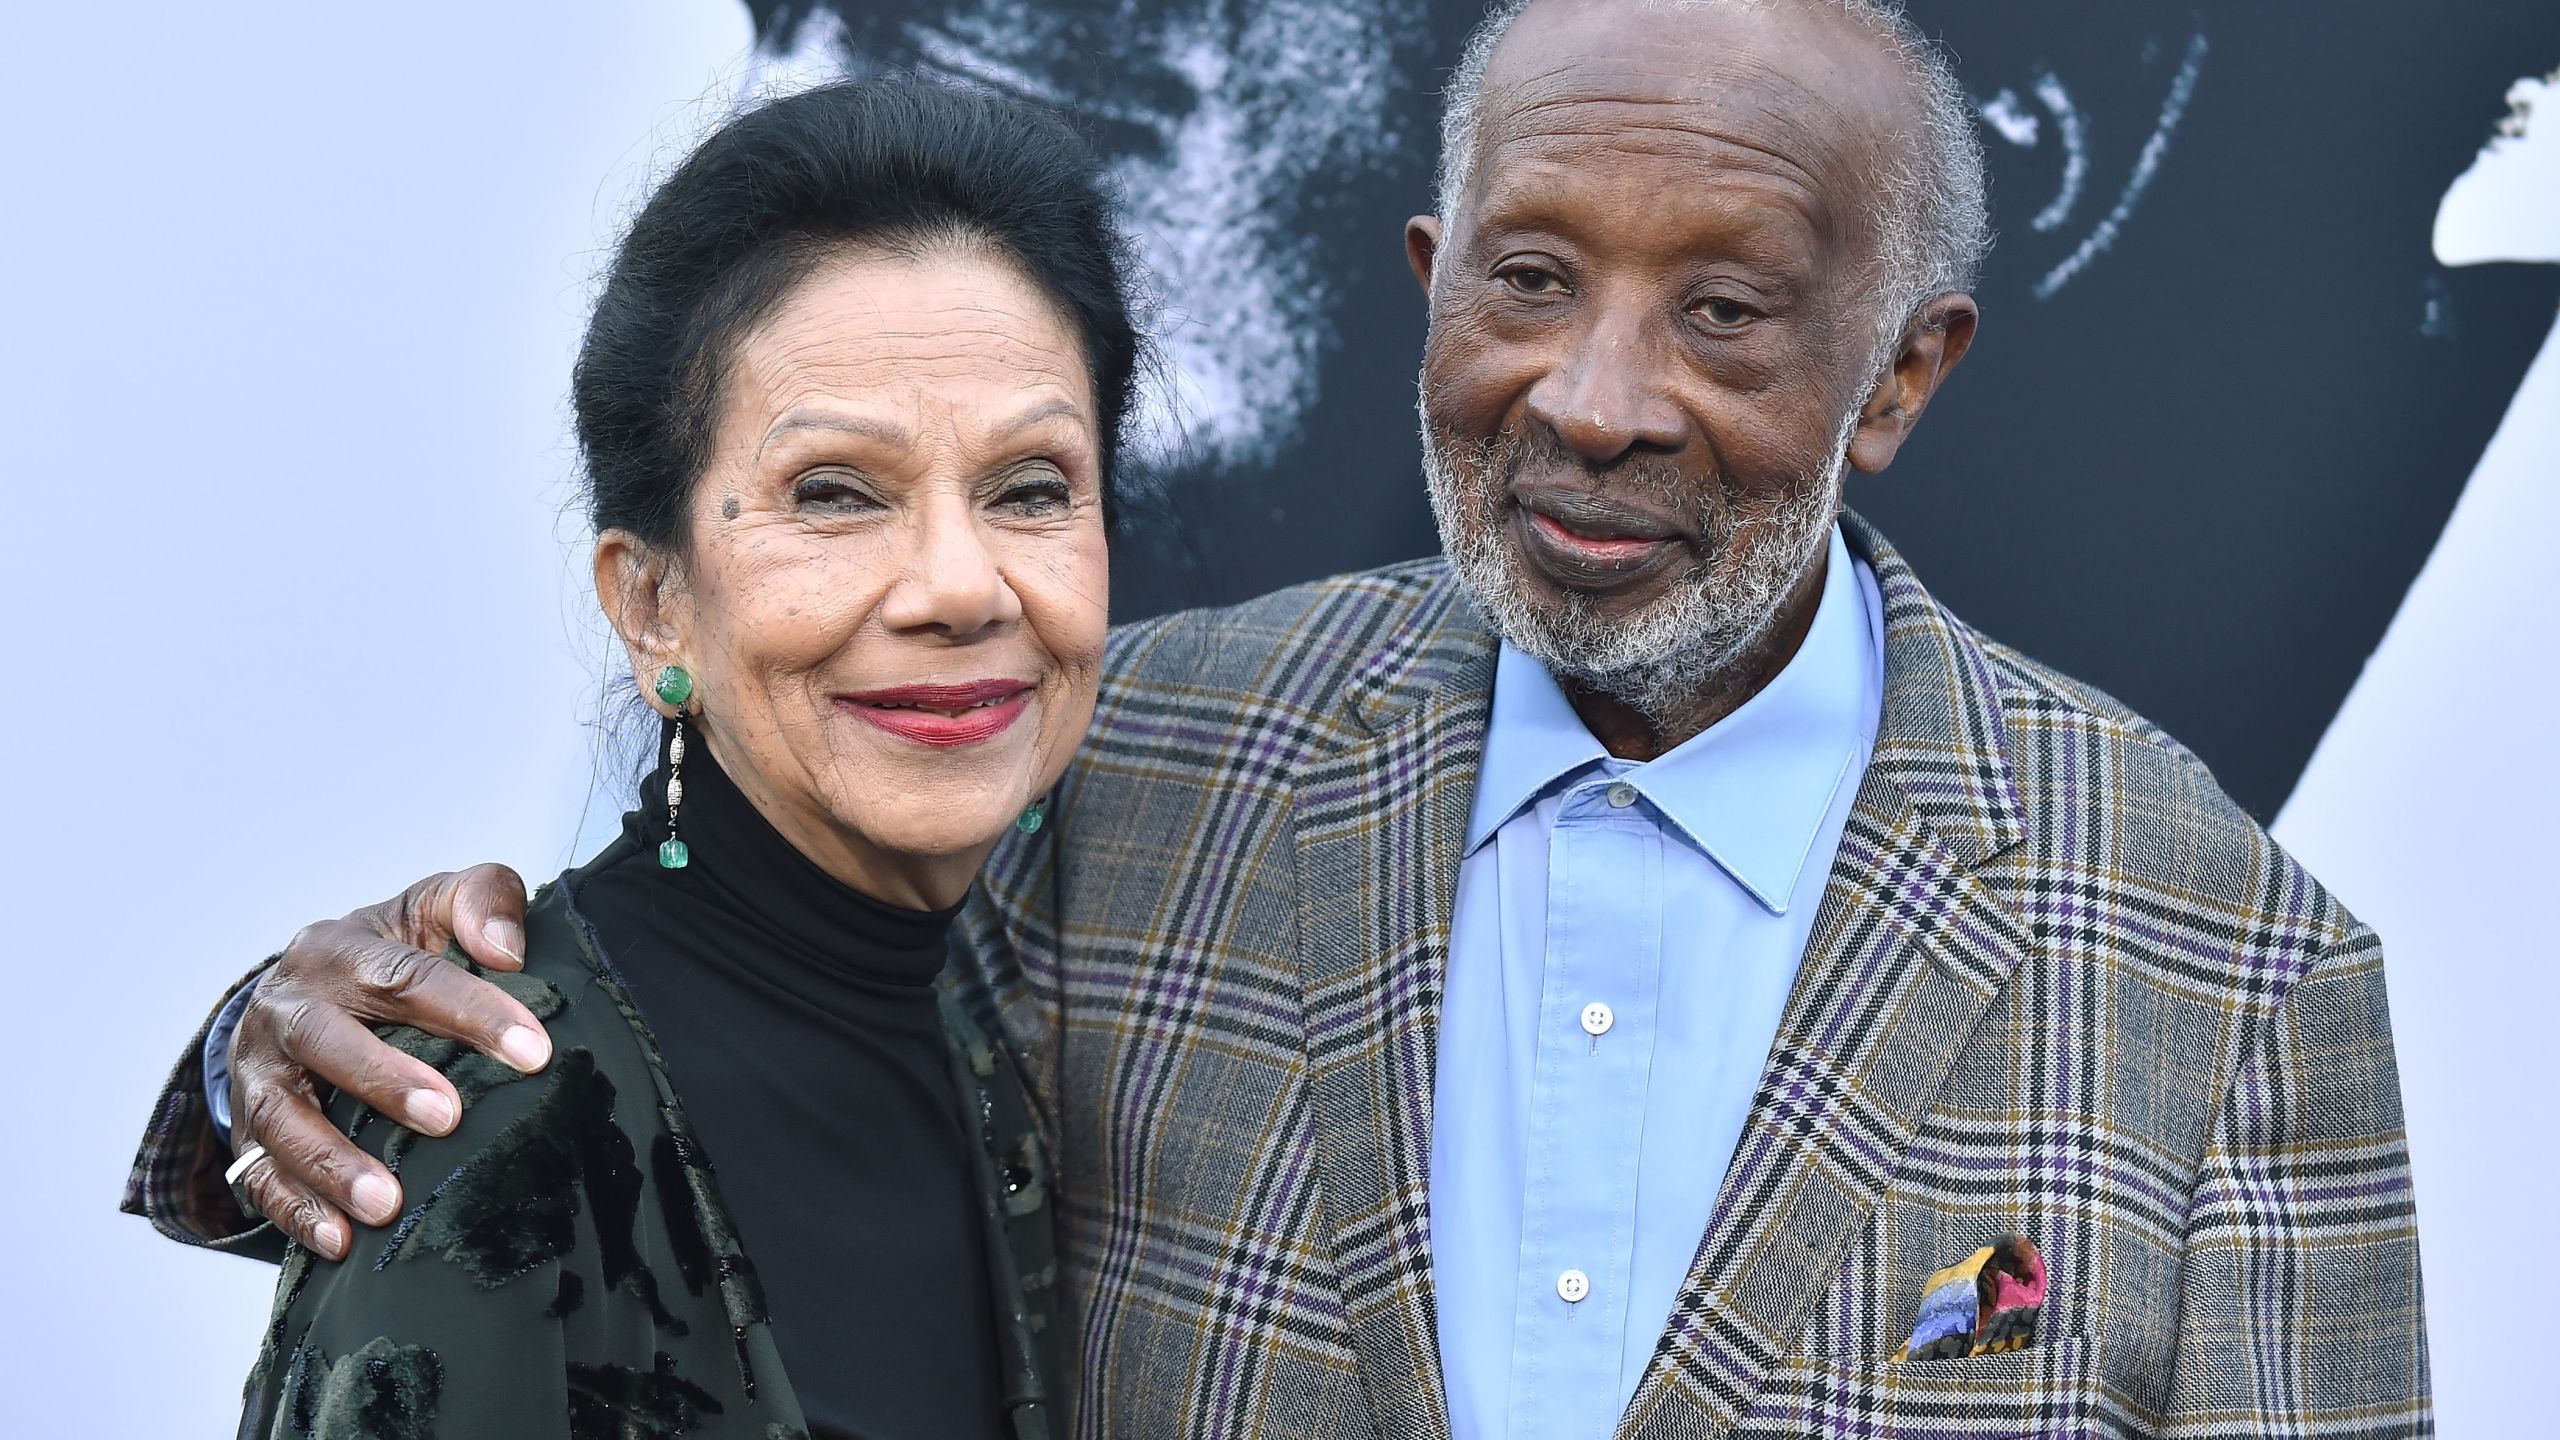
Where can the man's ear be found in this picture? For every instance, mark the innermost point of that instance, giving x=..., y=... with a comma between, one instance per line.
x=1421, y=245
x=1931, y=348
x=632, y=584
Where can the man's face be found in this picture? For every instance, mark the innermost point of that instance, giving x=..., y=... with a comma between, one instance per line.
x=1652, y=330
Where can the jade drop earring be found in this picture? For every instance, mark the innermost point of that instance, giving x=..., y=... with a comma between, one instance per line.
x=675, y=687
x=1032, y=817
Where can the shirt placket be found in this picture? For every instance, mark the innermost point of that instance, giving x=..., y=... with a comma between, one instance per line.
x=1584, y=1148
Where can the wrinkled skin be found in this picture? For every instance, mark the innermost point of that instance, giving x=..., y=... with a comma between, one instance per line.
x=1664, y=269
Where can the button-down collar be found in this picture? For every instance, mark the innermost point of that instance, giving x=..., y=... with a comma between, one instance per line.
x=1751, y=790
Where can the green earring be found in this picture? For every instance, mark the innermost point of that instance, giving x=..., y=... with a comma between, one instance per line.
x=675, y=685
x=1032, y=818
x=674, y=854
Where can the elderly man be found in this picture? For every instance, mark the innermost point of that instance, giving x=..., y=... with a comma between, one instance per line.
x=1603, y=981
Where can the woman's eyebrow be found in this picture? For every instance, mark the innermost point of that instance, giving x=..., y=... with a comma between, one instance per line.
x=1043, y=412
x=887, y=432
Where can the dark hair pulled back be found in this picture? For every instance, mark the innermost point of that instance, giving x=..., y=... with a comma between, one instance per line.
x=769, y=197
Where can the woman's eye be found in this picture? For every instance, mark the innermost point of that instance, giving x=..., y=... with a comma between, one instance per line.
x=1531, y=280
x=830, y=490
x=1726, y=314
x=1040, y=491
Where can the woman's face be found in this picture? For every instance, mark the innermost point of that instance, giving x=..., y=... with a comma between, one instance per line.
x=895, y=591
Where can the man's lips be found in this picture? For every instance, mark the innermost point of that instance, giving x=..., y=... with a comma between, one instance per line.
x=942, y=715
x=1624, y=549
x=1588, y=541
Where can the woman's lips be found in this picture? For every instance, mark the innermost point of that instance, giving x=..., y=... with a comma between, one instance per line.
x=943, y=715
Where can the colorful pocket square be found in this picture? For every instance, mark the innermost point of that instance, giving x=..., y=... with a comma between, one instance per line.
x=1988, y=1301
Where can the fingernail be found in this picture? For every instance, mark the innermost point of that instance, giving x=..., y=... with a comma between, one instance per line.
x=430, y=1112
x=330, y=1237
x=526, y=1050
x=505, y=936
x=376, y=1198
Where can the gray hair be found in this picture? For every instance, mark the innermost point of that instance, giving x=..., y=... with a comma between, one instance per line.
x=1932, y=212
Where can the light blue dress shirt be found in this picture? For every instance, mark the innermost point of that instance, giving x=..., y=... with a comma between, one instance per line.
x=1625, y=938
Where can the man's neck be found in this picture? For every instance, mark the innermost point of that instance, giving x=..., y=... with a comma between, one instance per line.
x=1630, y=733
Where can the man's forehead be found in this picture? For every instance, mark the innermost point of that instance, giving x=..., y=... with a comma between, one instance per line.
x=1800, y=83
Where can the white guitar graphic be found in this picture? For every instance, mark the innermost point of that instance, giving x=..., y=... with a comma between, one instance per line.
x=2432, y=807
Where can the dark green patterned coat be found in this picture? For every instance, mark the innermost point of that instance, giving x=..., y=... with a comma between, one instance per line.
x=566, y=1267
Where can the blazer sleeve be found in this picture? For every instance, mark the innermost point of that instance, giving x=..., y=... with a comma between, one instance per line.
x=176, y=1180
x=2300, y=1303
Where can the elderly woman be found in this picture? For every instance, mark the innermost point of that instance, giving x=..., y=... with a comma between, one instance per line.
x=848, y=404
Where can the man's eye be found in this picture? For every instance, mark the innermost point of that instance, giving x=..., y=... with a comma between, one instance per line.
x=1532, y=280
x=1726, y=314
x=832, y=490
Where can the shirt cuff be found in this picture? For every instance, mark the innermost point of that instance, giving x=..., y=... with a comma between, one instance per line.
x=217, y=1058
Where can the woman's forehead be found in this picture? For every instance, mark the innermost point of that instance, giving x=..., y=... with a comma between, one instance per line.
x=880, y=332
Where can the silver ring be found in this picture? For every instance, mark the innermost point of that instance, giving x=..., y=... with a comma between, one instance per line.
x=248, y=1161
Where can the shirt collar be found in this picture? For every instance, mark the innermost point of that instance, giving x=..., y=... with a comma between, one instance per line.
x=1752, y=790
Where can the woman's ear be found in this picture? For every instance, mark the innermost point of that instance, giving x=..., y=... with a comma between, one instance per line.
x=634, y=585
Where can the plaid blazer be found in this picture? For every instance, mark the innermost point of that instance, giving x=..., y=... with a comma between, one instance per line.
x=2059, y=985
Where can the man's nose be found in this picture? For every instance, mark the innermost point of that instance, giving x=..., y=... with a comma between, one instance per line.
x=1607, y=397
x=952, y=583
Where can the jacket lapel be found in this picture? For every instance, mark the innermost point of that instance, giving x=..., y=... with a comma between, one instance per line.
x=1907, y=951
x=1381, y=827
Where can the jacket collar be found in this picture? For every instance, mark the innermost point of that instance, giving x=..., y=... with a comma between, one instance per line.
x=1942, y=740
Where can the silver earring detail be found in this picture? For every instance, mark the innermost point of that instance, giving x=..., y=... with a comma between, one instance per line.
x=674, y=854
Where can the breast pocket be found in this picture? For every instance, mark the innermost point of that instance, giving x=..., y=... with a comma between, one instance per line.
x=2046, y=1392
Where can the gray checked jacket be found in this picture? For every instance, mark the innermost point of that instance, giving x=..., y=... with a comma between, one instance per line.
x=2059, y=985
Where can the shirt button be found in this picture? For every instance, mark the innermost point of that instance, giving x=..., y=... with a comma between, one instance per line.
x=1573, y=1285
x=1597, y=1018
x=1621, y=795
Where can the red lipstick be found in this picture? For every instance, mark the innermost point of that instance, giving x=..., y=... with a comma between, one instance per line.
x=943, y=716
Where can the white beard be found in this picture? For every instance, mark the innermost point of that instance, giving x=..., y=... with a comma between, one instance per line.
x=1665, y=658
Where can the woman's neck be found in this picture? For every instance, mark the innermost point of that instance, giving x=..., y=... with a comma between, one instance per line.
x=905, y=879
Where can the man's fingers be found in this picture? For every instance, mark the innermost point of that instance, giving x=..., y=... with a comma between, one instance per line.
x=370, y=978
x=485, y=911
x=342, y=1051
x=304, y=1216
x=412, y=987
x=307, y=1153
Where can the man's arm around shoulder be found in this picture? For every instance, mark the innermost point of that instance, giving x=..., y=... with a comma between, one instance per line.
x=310, y=1023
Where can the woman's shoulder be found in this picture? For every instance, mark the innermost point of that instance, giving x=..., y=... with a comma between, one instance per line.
x=596, y=1036
x=562, y=1197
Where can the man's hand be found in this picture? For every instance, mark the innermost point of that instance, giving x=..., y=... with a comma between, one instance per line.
x=310, y=1021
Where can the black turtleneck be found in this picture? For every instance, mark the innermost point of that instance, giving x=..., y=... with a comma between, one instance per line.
x=798, y=1022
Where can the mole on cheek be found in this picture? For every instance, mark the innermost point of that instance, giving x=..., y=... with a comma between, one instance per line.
x=728, y=507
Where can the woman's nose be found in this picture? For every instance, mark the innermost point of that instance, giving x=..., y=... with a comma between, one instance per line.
x=952, y=583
